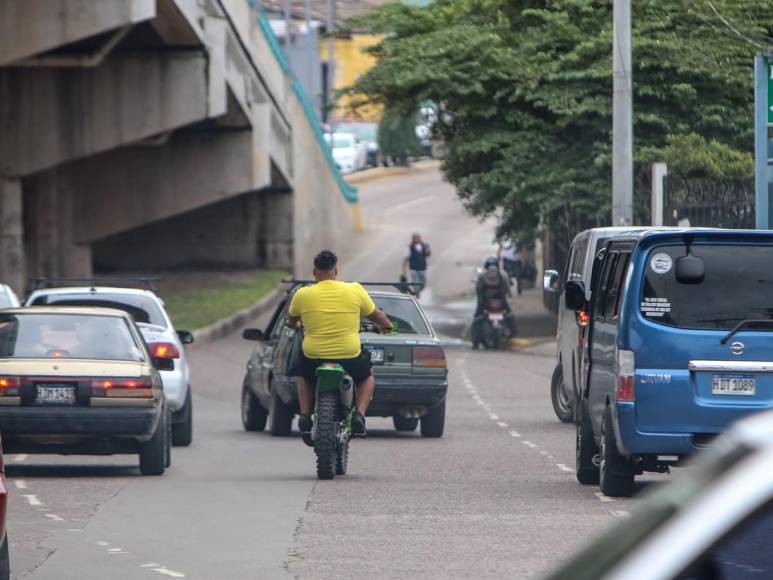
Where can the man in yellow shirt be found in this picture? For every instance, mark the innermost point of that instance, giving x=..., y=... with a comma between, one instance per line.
x=330, y=311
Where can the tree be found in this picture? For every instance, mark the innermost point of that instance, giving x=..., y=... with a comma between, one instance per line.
x=397, y=135
x=524, y=89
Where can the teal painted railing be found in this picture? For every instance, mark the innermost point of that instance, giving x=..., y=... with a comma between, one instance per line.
x=349, y=192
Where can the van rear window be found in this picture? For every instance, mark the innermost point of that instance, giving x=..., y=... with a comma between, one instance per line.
x=737, y=286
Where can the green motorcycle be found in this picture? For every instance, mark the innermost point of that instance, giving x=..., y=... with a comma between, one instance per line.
x=332, y=428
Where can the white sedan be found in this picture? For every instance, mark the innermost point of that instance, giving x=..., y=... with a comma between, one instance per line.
x=349, y=153
x=715, y=521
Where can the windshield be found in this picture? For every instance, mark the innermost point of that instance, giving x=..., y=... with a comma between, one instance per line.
x=404, y=314
x=77, y=336
x=142, y=308
x=342, y=141
x=738, y=285
x=365, y=131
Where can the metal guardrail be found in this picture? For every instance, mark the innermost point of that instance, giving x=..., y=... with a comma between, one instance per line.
x=349, y=192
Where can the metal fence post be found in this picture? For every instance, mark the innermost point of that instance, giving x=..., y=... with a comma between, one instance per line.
x=659, y=172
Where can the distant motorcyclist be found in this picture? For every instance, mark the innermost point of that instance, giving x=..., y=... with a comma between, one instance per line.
x=492, y=284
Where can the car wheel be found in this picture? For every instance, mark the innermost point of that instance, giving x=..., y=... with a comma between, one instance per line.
x=586, y=453
x=433, y=423
x=168, y=446
x=254, y=416
x=405, y=423
x=5, y=560
x=182, y=431
x=562, y=404
x=281, y=417
x=153, y=453
x=616, y=477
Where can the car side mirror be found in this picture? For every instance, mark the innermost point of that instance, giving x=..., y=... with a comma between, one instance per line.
x=574, y=295
x=252, y=334
x=185, y=336
x=550, y=281
x=690, y=269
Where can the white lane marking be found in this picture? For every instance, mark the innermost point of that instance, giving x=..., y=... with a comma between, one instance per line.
x=621, y=514
x=32, y=499
x=502, y=424
x=603, y=497
x=168, y=572
x=529, y=444
x=494, y=416
x=20, y=484
x=54, y=517
x=103, y=543
x=150, y=565
x=20, y=457
x=515, y=434
x=564, y=467
x=74, y=530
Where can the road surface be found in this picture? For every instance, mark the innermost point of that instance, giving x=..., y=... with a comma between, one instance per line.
x=495, y=497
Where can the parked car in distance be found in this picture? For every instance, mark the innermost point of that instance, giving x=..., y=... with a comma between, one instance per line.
x=366, y=132
x=679, y=348
x=713, y=521
x=8, y=298
x=569, y=373
x=410, y=368
x=348, y=152
x=149, y=312
x=82, y=381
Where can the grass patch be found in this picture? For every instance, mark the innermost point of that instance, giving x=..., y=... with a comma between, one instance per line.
x=193, y=309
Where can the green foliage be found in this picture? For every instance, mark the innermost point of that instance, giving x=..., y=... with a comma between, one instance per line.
x=397, y=135
x=525, y=95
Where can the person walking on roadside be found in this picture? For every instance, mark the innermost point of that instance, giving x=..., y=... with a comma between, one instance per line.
x=415, y=260
x=511, y=260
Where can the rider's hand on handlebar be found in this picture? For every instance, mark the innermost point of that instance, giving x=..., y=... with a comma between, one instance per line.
x=386, y=328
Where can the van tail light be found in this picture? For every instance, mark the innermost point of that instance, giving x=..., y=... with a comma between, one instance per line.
x=122, y=387
x=429, y=356
x=9, y=386
x=626, y=373
x=166, y=350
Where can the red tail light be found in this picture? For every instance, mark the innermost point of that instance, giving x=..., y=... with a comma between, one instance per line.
x=163, y=350
x=429, y=356
x=583, y=318
x=626, y=375
x=9, y=386
x=122, y=387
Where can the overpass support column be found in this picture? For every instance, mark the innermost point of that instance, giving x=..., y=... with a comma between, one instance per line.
x=52, y=251
x=12, y=262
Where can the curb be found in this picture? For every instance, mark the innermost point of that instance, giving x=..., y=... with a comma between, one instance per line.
x=383, y=172
x=226, y=326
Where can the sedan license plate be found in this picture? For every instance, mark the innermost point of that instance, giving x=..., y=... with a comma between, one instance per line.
x=55, y=395
x=496, y=316
x=377, y=355
x=733, y=385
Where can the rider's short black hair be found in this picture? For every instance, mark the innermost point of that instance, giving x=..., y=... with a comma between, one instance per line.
x=325, y=261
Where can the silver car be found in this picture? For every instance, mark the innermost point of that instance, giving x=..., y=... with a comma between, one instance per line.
x=148, y=311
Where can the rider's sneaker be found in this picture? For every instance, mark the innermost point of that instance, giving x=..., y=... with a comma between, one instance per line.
x=304, y=426
x=358, y=425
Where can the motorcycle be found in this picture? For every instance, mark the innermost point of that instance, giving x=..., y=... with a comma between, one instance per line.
x=492, y=326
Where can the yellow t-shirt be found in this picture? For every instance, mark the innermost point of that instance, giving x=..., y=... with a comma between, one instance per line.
x=331, y=311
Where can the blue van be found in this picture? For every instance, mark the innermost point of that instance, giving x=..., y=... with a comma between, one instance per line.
x=681, y=346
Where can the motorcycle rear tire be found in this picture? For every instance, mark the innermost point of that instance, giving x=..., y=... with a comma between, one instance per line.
x=325, y=436
x=342, y=458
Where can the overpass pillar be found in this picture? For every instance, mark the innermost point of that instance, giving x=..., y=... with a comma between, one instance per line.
x=12, y=262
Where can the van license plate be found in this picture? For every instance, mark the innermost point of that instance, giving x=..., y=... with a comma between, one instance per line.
x=55, y=395
x=376, y=355
x=733, y=385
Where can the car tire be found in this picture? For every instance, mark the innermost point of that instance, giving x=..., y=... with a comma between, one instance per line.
x=154, y=452
x=168, y=450
x=405, y=423
x=586, y=452
x=182, y=431
x=562, y=403
x=5, y=560
x=616, y=477
x=433, y=423
x=254, y=416
x=281, y=417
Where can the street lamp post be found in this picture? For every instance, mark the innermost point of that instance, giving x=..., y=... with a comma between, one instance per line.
x=622, y=116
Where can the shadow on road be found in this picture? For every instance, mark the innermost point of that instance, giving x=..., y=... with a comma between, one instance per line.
x=49, y=470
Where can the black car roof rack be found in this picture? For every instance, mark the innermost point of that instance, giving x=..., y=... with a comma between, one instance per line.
x=116, y=281
x=402, y=287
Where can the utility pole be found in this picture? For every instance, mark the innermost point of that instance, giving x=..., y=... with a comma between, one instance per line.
x=331, y=8
x=622, y=116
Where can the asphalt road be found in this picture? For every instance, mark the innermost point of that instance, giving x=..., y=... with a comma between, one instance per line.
x=495, y=497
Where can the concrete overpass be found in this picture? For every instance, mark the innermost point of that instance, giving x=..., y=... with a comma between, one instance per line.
x=140, y=134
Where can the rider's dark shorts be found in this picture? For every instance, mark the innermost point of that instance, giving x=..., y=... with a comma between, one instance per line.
x=359, y=368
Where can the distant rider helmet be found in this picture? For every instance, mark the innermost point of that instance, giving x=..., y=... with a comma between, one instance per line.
x=491, y=261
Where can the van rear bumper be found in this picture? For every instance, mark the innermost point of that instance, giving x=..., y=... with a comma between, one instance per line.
x=631, y=441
